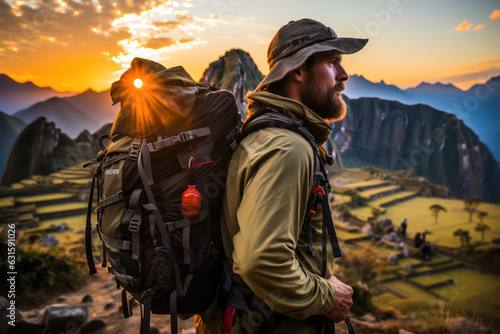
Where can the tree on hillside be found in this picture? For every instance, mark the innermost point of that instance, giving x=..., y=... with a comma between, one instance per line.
x=481, y=228
x=467, y=239
x=460, y=234
x=355, y=197
x=435, y=209
x=471, y=204
x=481, y=215
x=373, y=220
x=344, y=211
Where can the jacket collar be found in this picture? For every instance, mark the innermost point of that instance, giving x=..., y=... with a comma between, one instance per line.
x=320, y=129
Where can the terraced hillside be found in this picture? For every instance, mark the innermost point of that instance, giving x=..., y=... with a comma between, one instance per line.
x=40, y=205
x=409, y=282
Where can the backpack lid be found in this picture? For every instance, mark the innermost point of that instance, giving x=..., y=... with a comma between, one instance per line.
x=161, y=106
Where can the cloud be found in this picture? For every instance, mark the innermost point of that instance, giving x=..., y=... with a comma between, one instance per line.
x=117, y=28
x=463, y=26
x=495, y=15
x=479, y=27
x=476, y=72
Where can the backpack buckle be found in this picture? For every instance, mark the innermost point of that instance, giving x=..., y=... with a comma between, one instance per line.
x=135, y=223
x=135, y=147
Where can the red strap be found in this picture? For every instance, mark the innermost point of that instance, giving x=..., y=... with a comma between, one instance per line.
x=228, y=319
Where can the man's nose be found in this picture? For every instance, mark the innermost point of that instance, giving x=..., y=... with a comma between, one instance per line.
x=341, y=74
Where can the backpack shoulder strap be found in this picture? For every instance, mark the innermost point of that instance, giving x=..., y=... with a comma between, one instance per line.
x=269, y=117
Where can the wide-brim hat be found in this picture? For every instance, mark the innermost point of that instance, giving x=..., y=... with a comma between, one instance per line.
x=295, y=42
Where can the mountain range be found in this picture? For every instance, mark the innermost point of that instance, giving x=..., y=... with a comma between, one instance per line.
x=478, y=107
x=16, y=96
x=383, y=132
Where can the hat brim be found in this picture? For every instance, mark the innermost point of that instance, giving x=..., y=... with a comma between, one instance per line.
x=294, y=61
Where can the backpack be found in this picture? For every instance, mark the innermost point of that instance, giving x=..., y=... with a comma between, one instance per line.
x=170, y=133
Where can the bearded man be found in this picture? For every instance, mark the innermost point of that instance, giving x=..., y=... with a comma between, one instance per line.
x=274, y=244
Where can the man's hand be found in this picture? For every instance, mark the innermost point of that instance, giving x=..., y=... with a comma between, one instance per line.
x=343, y=300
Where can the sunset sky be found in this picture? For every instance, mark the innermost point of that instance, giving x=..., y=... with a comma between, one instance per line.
x=74, y=45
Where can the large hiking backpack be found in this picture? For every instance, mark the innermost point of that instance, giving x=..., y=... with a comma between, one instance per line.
x=170, y=133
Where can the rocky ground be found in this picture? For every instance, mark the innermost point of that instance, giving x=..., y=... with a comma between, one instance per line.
x=96, y=308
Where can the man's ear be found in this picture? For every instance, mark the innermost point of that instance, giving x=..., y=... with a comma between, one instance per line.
x=297, y=75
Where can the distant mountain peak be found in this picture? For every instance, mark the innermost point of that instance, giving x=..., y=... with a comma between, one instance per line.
x=494, y=80
x=90, y=91
x=235, y=71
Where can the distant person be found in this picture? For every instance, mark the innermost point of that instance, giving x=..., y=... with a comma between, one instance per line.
x=418, y=240
x=426, y=250
x=404, y=225
x=390, y=229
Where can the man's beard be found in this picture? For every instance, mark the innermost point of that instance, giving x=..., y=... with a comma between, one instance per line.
x=327, y=103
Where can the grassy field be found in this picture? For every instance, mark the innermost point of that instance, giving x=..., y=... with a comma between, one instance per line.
x=375, y=191
x=379, y=202
x=341, y=199
x=67, y=238
x=6, y=202
x=61, y=207
x=407, y=290
x=416, y=210
x=363, y=184
x=42, y=198
x=468, y=284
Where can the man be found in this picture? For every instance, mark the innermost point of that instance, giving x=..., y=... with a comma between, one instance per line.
x=404, y=225
x=269, y=183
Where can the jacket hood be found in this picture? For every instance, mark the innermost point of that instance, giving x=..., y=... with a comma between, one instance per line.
x=320, y=129
x=164, y=101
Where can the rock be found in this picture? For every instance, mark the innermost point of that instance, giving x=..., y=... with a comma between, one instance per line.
x=408, y=268
x=64, y=318
x=463, y=325
x=154, y=330
x=32, y=223
x=80, y=231
x=189, y=331
x=369, y=318
x=367, y=229
x=93, y=325
x=9, y=315
x=87, y=299
x=33, y=314
x=48, y=240
x=61, y=299
x=399, y=246
x=385, y=222
x=392, y=237
x=402, y=331
x=64, y=227
x=392, y=259
x=406, y=252
x=109, y=285
x=109, y=304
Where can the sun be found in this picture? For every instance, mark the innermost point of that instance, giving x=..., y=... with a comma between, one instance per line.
x=138, y=83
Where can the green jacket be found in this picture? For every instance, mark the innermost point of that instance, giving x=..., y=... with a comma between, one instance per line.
x=269, y=183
